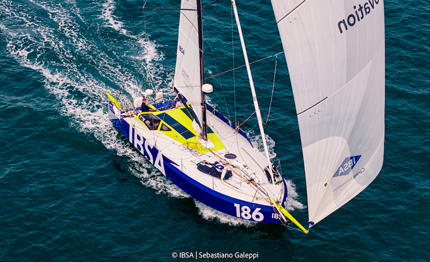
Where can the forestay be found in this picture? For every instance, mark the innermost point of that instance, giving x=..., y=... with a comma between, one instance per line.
x=335, y=52
x=187, y=71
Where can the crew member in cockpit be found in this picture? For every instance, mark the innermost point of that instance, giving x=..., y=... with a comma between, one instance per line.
x=178, y=102
x=144, y=107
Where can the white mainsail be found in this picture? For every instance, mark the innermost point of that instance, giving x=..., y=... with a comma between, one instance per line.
x=335, y=52
x=187, y=71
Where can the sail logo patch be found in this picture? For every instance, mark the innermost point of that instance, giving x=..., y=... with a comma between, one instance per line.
x=347, y=165
x=359, y=15
x=182, y=50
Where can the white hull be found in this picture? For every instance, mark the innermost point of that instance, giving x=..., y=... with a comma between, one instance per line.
x=178, y=161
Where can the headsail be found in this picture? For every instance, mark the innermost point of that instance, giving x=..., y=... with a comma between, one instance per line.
x=187, y=72
x=335, y=52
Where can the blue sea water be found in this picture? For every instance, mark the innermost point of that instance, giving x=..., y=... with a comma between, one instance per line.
x=73, y=189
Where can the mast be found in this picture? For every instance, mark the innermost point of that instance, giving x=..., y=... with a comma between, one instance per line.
x=254, y=95
x=204, y=134
x=189, y=69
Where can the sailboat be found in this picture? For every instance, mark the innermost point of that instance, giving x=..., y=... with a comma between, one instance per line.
x=336, y=59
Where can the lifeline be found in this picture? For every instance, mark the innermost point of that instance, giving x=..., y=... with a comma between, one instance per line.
x=352, y=19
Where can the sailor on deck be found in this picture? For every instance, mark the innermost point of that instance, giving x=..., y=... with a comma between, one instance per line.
x=144, y=107
x=177, y=102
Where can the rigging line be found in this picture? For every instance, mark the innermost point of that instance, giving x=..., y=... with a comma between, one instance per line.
x=234, y=72
x=144, y=18
x=245, y=65
x=213, y=2
x=219, y=80
x=245, y=121
x=252, y=184
x=151, y=80
x=237, y=127
x=161, y=8
x=273, y=89
x=123, y=85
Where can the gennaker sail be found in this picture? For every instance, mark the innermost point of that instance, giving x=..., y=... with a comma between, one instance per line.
x=335, y=51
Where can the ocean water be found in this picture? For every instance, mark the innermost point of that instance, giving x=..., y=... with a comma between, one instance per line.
x=73, y=189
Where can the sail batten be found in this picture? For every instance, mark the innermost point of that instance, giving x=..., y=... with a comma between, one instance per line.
x=335, y=52
x=282, y=19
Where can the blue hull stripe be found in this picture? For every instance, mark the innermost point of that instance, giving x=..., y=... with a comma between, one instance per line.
x=213, y=198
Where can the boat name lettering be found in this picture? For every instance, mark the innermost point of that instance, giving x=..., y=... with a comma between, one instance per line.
x=148, y=150
x=182, y=50
x=347, y=165
x=245, y=213
x=352, y=19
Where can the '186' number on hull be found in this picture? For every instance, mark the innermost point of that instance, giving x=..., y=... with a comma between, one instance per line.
x=245, y=213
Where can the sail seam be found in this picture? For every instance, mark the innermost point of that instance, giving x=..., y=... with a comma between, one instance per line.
x=291, y=12
x=313, y=106
x=370, y=62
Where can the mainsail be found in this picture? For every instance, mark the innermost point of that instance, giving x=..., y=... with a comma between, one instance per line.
x=187, y=72
x=335, y=52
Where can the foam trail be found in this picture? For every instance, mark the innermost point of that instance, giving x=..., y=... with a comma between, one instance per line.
x=212, y=214
x=291, y=203
x=51, y=47
x=82, y=95
x=258, y=143
x=150, y=59
x=110, y=18
x=100, y=59
x=148, y=52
